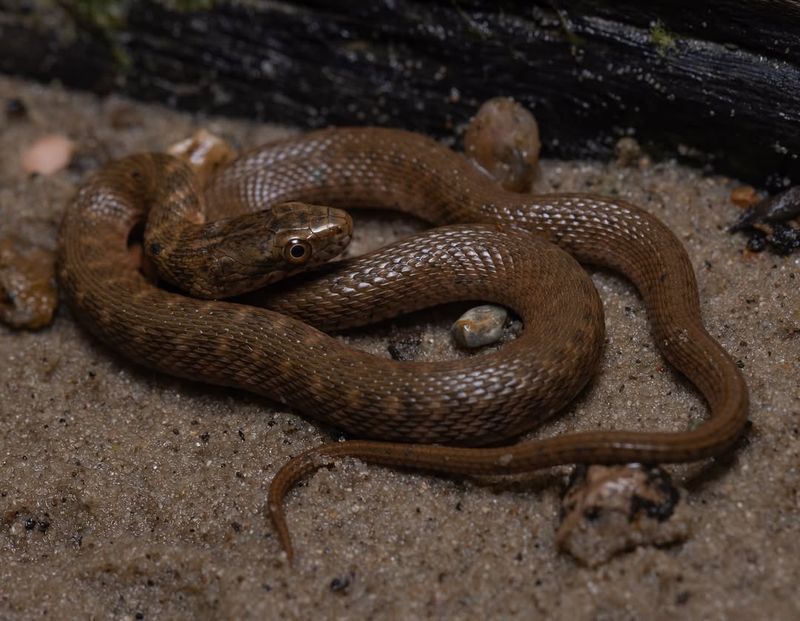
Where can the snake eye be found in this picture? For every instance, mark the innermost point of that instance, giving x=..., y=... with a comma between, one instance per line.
x=297, y=251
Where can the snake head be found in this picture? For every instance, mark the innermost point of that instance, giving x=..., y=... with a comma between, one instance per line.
x=248, y=252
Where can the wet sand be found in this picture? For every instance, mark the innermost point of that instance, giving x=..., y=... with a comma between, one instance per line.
x=128, y=494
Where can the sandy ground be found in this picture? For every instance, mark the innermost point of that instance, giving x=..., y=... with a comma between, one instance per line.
x=128, y=494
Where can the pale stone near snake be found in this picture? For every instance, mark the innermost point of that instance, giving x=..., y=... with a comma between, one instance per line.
x=480, y=326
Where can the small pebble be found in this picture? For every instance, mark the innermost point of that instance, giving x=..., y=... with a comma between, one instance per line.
x=503, y=140
x=28, y=294
x=48, y=155
x=611, y=509
x=204, y=152
x=745, y=196
x=628, y=152
x=341, y=584
x=757, y=243
x=479, y=326
x=773, y=221
x=785, y=239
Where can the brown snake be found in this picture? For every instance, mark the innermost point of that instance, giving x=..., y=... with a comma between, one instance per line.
x=472, y=401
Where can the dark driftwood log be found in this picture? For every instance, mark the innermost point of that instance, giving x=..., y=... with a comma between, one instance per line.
x=717, y=82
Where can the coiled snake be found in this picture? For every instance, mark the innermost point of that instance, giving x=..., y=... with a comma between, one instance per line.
x=473, y=401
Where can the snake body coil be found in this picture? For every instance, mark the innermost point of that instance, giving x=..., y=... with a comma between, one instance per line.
x=473, y=401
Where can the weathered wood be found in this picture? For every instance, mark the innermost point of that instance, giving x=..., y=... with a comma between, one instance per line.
x=717, y=82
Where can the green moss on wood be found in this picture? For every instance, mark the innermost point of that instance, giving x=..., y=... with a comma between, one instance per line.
x=662, y=39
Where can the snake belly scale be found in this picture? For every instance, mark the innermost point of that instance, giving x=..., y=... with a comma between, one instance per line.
x=445, y=402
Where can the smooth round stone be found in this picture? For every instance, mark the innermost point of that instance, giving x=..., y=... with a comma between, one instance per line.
x=503, y=140
x=479, y=326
